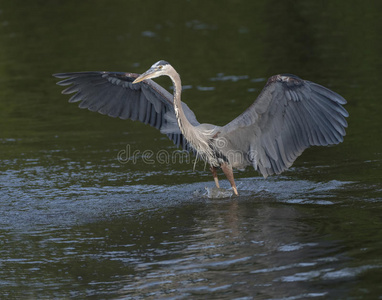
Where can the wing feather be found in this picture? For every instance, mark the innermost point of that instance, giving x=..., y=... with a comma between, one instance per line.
x=114, y=94
x=289, y=116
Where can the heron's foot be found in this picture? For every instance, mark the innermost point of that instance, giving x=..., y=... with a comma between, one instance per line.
x=235, y=190
x=215, y=175
x=218, y=193
x=227, y=169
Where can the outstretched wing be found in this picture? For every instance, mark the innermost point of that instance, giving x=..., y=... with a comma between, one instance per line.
x=114, y=94
x=289, y=115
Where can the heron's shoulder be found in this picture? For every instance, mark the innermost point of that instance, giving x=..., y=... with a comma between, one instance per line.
x=209, y=129
x=286, y=79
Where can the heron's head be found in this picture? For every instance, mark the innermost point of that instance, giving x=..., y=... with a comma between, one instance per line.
x=158, y=69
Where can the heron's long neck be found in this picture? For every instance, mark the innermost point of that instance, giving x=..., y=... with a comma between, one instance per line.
x=195, y=137
x=180, y=116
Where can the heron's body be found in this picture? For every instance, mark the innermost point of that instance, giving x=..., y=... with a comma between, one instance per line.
x=289, y=115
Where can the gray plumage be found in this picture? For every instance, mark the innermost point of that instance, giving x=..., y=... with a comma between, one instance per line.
x=114, y=94
x=288, y=116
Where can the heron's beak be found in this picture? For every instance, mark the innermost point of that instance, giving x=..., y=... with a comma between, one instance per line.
x=147, y=75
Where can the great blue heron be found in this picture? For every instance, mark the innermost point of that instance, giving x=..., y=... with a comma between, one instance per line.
x=288, y=116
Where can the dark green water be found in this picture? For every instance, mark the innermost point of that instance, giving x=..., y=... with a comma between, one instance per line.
x=76, y=223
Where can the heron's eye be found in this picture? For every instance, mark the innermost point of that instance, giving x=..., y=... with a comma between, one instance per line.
x=160, y=67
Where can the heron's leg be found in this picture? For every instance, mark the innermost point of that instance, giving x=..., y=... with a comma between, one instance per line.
x=227, y=169
x=215, y=175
